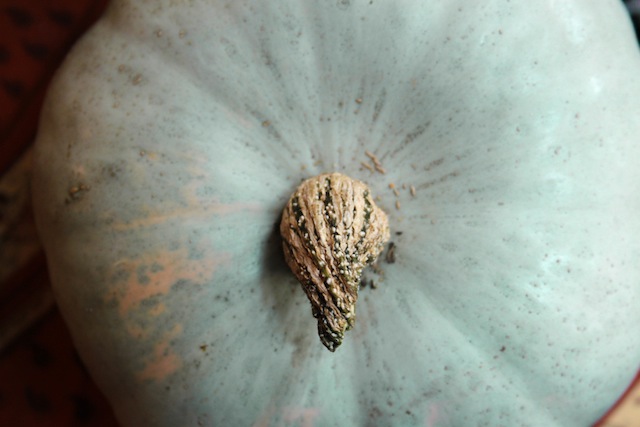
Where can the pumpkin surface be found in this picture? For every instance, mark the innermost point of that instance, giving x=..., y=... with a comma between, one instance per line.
x=177, y=129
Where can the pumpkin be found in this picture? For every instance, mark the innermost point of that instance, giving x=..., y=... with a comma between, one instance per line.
x=499, y=137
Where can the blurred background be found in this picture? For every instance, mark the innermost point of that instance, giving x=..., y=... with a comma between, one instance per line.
x=42, y=381
x=634, y=10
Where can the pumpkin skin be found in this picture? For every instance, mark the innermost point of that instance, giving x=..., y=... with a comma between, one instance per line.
x=176, y=130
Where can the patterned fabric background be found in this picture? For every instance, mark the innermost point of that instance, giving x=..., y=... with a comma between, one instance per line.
x=42, y=381
x=634, y=10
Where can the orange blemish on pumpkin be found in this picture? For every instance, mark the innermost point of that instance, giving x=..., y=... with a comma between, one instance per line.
x=164, y=361
x=192, y=202
x=305, y=416
x=184, y=213
x=150, y=155
x=137, y=331
x=206, y=206
x=192, y=206
x=157, y=310
x=155, y=273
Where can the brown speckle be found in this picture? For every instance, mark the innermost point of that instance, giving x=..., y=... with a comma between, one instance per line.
x=376, y=162
x=372, y=156
x=367, y=166
x=76, y=189
x=77, y=192
x=390, y=257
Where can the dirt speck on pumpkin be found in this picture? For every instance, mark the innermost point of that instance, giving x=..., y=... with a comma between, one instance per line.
x=375, y=412
x=390, y=256
x=77, y=192
x=367, y=166
x=376, y=163
x=372, y=277
x=368, y=283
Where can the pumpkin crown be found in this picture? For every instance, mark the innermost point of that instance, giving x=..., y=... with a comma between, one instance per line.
x=331, y=229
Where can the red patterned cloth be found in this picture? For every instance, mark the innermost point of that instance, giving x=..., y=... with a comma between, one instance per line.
x=42, y=381
x=34, y=37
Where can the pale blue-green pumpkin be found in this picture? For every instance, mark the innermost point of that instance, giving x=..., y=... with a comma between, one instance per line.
x=176, y=130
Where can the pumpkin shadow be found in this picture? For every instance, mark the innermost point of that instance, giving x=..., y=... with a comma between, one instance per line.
x=273, y=262
x=281, y=292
